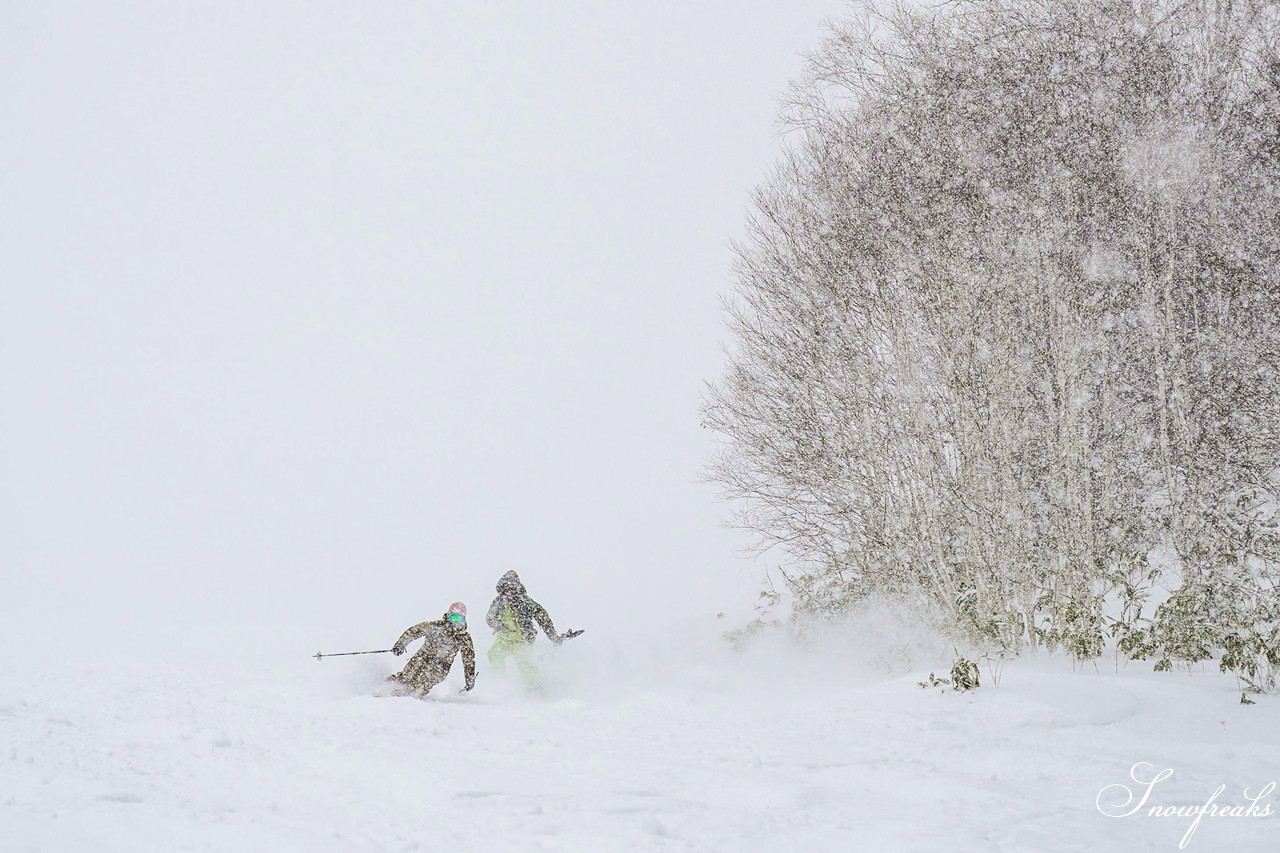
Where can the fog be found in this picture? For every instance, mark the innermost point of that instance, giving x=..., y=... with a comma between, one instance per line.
x=316, y=312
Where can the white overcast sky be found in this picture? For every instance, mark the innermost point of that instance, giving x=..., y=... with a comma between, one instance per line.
x=317, y=307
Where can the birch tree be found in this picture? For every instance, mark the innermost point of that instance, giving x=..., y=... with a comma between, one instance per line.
x=1005, y=319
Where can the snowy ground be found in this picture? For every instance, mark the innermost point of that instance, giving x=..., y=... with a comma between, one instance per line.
x=241, y=742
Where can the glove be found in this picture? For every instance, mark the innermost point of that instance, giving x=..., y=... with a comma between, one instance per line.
x=471, y=683
x=557, y=639
x=397, y=650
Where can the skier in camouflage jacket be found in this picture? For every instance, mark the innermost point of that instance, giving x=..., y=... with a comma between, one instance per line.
x=442, y=639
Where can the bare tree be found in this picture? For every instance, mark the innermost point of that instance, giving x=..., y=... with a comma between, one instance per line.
x=1006, y=315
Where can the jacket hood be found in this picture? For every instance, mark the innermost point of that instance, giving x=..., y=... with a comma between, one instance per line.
x=509, y=584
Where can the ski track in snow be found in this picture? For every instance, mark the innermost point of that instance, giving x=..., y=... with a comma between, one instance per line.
x=222, y=751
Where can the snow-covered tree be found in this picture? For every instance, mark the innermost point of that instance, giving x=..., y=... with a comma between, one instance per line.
x=1007, y=320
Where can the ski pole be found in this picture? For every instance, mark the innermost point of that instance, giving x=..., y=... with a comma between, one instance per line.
x=340, y=654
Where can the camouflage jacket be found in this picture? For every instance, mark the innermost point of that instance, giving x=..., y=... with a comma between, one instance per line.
x=513, y=613
x=441, y=643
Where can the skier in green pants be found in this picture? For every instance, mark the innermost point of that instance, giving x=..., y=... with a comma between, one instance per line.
x=512, y=616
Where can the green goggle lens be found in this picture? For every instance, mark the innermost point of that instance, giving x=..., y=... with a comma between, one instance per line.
x=457, y=618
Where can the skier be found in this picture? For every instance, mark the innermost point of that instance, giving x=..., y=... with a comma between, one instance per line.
x=512, y=616
x=442, y=640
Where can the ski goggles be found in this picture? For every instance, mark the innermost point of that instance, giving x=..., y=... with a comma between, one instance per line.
x=457, y=618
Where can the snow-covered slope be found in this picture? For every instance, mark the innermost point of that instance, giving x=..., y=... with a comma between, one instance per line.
x=241, y=742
